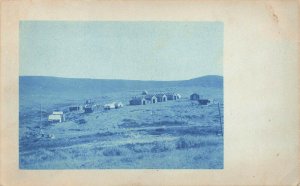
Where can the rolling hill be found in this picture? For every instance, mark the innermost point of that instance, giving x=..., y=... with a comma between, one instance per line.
x=45, y=84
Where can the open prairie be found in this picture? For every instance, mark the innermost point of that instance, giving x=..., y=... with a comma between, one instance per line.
x=177, y=134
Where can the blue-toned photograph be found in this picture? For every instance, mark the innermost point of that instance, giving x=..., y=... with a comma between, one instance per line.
x=121, y=95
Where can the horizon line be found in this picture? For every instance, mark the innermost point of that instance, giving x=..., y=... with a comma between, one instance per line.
x=115, y=79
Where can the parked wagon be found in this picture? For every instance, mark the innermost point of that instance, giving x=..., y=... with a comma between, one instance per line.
x=109, y=106
x=204, y=101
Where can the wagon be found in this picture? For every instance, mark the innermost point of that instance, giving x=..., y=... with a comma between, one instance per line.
x=204, y=101
x=109, y=106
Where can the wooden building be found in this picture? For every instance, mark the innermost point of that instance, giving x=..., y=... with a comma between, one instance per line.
x=194, y=96
x=161, y=97
x=138, y=101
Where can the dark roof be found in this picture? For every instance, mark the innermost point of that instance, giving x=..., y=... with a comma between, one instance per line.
x=160, y=95
x=170, y=93
x=137, y=98
x=149, y=96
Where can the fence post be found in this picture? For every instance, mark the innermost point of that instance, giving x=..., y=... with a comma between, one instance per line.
x=220, y=118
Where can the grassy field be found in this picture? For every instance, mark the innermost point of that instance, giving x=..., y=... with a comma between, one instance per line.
x=169, y=135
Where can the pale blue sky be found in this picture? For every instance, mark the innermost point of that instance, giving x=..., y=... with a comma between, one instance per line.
x=121, y=50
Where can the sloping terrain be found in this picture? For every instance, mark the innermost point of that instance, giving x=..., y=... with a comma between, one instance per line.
x=173, y=134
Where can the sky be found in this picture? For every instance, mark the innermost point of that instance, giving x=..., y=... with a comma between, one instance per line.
x=121, y=50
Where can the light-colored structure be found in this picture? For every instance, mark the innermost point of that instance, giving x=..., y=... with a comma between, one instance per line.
x=110, y=106
x=56, y=116
x=119, y=105
x=178, y=96
x=58, y=112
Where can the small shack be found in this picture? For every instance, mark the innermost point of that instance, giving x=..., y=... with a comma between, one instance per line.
x=75, y=108
x=138, y=101
x=161, y=97
x=56, y=116
x=171, y=96
x=151, y=98
x=195, y=96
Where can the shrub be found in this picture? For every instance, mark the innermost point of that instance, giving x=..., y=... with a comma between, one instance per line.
x=159, y=147
x=81, y=121
x=126, y=160
x=183, y=143
x=192, y=142
x=112, y=152
x=138, y=148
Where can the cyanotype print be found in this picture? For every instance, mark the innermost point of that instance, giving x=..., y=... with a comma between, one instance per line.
x=121, y=95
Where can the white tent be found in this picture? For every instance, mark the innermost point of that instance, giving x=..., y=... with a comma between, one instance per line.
x=119, y=105
x=55, y=118
x=58, y=112
x=110, y=106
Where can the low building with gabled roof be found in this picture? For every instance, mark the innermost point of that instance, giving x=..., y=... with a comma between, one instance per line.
x=161, y=97
x=138, y=101
x=151, y=98
x=171, y=96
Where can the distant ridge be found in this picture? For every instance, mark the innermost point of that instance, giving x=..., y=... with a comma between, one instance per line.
x=31, y=84
x=204, y=81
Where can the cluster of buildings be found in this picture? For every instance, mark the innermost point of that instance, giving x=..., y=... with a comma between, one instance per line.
x=87, y=107
x=143, y=99
x=90, y=106
x=147, y=98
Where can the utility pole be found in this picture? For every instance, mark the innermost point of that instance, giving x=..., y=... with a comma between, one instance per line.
x=220, y=118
